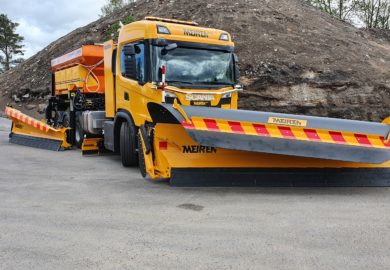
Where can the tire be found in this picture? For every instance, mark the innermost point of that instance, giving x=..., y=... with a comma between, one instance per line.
x=66, y=120
x=79, y=133
x=128, y=144
x=66, y=123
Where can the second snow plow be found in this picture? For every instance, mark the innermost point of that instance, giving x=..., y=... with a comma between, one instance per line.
x=28, y=131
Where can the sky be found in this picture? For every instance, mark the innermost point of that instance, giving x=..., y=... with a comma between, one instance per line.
x=44, y=21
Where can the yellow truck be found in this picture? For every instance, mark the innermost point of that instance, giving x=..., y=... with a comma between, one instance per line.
x=164, y=97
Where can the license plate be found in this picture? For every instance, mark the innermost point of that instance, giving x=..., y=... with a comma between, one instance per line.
x=201, y=103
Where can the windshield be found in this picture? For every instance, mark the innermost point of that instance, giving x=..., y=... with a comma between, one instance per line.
x=195, y=66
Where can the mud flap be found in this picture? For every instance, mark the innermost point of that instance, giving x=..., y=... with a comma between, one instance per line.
x=92, y=146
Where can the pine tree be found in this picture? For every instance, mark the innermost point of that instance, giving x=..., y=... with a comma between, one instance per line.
x=10, y=42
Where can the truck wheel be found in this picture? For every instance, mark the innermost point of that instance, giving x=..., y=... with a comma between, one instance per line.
x=128, y=145
x=66, y=120
x=79, y=133
x=141, y=159
x=66, y=123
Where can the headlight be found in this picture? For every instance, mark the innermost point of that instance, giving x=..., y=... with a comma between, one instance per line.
x=170, y=95
x=228, y=95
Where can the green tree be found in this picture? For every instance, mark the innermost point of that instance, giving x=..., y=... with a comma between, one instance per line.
x=374, y=13
x=1, y=61
x=10, y=42
x=342, y=9
x=112, y=31
x=112, y=6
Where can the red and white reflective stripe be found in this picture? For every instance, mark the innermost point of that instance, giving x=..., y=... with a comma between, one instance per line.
x=261, y=130
x=189, y=125
x=26, y=119
x=312, y=134
x=211, y=124
x=236, y=127
x=286, y=132
x=163, y=72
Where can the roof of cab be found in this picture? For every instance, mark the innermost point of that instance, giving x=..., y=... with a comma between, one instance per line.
x=178, y=30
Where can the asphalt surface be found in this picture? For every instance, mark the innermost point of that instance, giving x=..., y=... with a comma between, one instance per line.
x=59, y=210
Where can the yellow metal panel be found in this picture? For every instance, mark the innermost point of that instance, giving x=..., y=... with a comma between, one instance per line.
x=234, y=102
x=74, y=76
x=109, y=79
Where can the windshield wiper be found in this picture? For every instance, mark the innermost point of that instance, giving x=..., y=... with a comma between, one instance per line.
x=213, y=82
x=173, y=81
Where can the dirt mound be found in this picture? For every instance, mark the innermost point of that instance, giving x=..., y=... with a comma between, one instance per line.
x=293, y=57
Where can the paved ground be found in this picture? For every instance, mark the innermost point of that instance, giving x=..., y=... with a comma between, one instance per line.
x=65, y=211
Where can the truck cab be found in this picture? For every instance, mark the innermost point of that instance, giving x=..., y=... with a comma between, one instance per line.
x=160, y=60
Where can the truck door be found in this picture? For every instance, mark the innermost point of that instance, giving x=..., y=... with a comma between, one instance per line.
x=131, y=80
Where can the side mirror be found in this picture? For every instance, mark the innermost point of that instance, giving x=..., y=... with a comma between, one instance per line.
x=130, y=62
x=129, y=50
x=236, y=68
x=169, y=47
x=130, y=68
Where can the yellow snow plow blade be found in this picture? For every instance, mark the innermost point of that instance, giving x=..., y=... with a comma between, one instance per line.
x=194, y=145
x=172, y=154
x=282, y=134
x=31, y=132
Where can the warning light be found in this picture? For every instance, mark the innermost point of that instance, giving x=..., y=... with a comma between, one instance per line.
x=163, y=145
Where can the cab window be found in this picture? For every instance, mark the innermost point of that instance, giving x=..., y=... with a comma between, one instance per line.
x=139, y=59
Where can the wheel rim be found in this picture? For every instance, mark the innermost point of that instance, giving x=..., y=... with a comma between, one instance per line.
x=66, y=122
